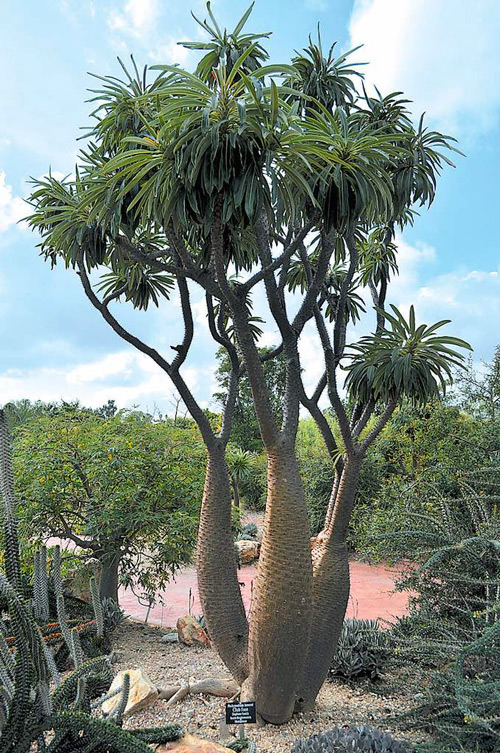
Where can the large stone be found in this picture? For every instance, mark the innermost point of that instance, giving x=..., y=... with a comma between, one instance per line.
x=248, y=551
x=142, y=692
x=170, y=637
x=192, y=744
x=190, y=631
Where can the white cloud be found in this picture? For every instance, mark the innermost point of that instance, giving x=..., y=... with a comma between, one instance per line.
x=443, y=55
x=137, y=18
x=169, y=53
x=141, y=21
x=129, y=377
x=12, y=208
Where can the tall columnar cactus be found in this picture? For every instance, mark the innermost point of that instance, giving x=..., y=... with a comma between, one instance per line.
x=31, y=717
x=12, y=564
x=98, y=610
x=41, y=586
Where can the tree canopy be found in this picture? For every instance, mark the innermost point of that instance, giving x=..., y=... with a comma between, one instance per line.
x=124, y=489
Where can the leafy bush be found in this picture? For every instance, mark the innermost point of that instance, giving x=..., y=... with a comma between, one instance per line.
x=362, y=651
x=352, y=740
x=254, y=486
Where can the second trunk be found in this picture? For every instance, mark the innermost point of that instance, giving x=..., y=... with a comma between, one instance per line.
x=280, y=616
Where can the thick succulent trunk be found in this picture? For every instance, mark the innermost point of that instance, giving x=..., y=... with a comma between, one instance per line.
x=108, y=579
x=331, y=586
x=218, y=587
x=280, y=616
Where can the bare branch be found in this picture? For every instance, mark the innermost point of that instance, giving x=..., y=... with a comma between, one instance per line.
x=187, y=315
x=315, y=280
x=285, y=256
x=68, y=534
x=192, y=272
x=331, y=374
x=196, y=412
x=385, y=416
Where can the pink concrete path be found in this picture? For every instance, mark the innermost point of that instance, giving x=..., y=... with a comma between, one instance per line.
x=372, y=595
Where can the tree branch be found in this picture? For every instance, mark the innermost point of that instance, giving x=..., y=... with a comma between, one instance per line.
x=68, y=534
x=283, y=258
x=182, y=388
x=385, y=416
x=187, y=315
x=331, y=375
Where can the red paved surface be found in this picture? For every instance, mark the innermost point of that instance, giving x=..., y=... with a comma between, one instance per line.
x=371, y=595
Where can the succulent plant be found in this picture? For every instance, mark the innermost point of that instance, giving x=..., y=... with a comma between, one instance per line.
x=249, y=532
x=362, y=651
x=351, y=740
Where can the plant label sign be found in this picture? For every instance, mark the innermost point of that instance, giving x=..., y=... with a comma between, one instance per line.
x=241, y=713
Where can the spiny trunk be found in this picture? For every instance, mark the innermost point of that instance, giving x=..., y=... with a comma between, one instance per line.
x=280, y=616
x=331, y=586
x=218, y=587
x=108, y=579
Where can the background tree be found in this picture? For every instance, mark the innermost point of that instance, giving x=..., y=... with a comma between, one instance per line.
x=241, y=469
x=245, y=432
x=479, y=390
x=231, y=179
x=125, y=490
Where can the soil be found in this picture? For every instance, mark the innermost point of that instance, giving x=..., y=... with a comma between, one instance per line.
x=372, y=595
x=139, y=645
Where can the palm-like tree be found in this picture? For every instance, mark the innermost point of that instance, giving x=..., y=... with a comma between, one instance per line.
x=241, y=467
x=198, y=178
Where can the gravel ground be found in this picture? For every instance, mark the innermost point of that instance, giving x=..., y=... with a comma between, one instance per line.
x=137, y=645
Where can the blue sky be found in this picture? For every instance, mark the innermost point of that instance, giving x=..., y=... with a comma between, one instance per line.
x=443, y=56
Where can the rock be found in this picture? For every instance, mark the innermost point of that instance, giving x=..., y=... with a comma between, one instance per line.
x=248, y=551
x=192, y=744
x=172, y=637
x=142, y=692
x=190, y=631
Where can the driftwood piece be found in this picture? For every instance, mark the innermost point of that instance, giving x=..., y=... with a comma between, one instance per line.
x=181, y=693
x=223, y=687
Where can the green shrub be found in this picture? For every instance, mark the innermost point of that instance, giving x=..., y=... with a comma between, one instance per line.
x=58, y=720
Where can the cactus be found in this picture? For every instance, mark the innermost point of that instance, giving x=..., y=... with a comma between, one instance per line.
x=12, y=564
x=122, y=705
x=41, y=586
x=98, y=610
